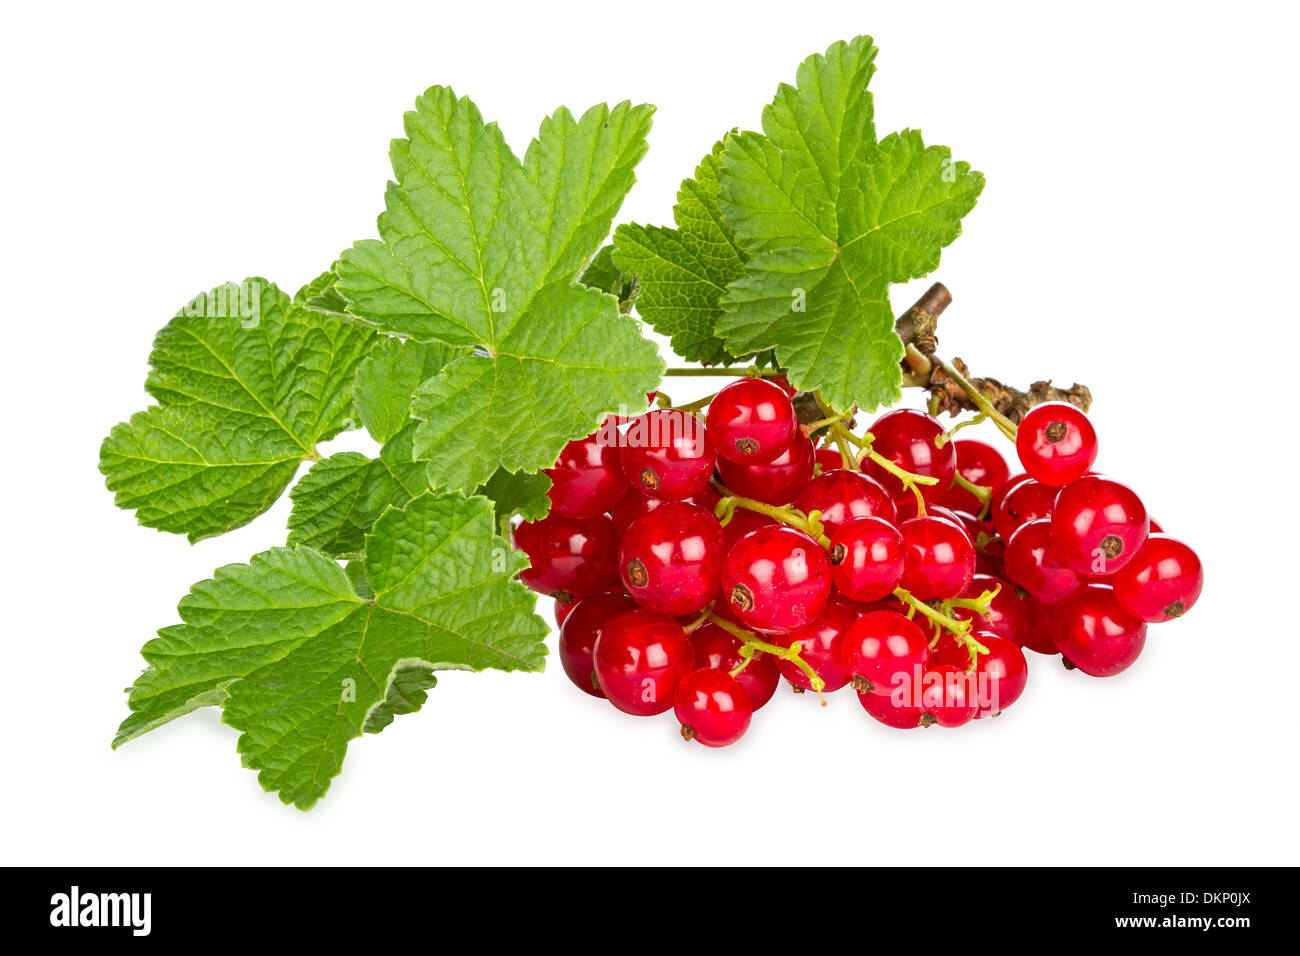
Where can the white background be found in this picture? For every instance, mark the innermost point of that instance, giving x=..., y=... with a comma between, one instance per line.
x=1137, y=233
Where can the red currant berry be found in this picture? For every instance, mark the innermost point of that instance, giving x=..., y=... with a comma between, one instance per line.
x=907, y=438
x=579, y=633
x=883, y=650
x=783, y=383
x=820, y=647
x=892, y=712
x=969, y=523
x=613, y=420
x=908, y=508
x=866, y=559
x=1036, y=633
x=561, y=610
x=1162, y=582
x=570, y=557
x=949, y=650
x=843, y=495
x=980, y=464
x=1000, y=675
x=1098, y=525
x=775, y=482
x=776, y=579
x=1056, y=443
x=631, y=507
x=667, y=454
x=712, y=707
x=938, y=558
x=1006, y=608
x=586, y=479
x=1000, y=492
x=1033, y=565
x=751, y=420
x=1095, y=633
x=948, y=696
x=829, y=459
x=742, y=522
x=1027, y=501
x=716, y=648
x=640, y=658
x=671, y=559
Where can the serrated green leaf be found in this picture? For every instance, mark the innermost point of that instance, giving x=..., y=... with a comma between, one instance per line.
x=683, y=272
x=247, y=383
x=338, y=501
x=602, y=274
x=320, y=290
x=388, y=377
x=480, y=250
x=302, y=664
x=517, y=494
x=830, y=218
x=407, y=691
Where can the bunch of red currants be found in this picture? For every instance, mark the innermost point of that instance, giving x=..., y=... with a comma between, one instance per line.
x=695, y=563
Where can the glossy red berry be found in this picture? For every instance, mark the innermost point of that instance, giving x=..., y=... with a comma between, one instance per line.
x=908, y=508
x=829, y=458
x=1032, y=564
x=1095, y=633
x=1162, y=582
x=1037, y=632
x=776, y=579
x=775, y=482
x=631, y=507
x=866, y=559
x=586, y=479
x=716, y=648
x=751, y=420
x=907, y=438
x=980, y=464
x=938, y=558
x=742, y=522
x=1000, y=675
x=1000, y=492
x=1056, y=443
x=561, y=610
x=821, y=647
x=842, y=495
x=1098, y=525
x=667, y=454
x=1027, y=501
x=1006, y=608
x=948, y=696
x=570, y=557
x=883, y=650
x=640, y=657
x=671, y=559
x=582, y=627
x=893, y=710
x=783, y=383
x=712, y=707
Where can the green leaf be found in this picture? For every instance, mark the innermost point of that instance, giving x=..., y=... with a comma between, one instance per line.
x=388, y=377
x=247, y=383
x=683, y=272
x=830, y=218
x=301, y=663
x=480, y=250
x=338, y=501
x=602, y=274
x=517, y=494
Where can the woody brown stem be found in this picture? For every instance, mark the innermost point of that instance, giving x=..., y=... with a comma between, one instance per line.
x=917, y=327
